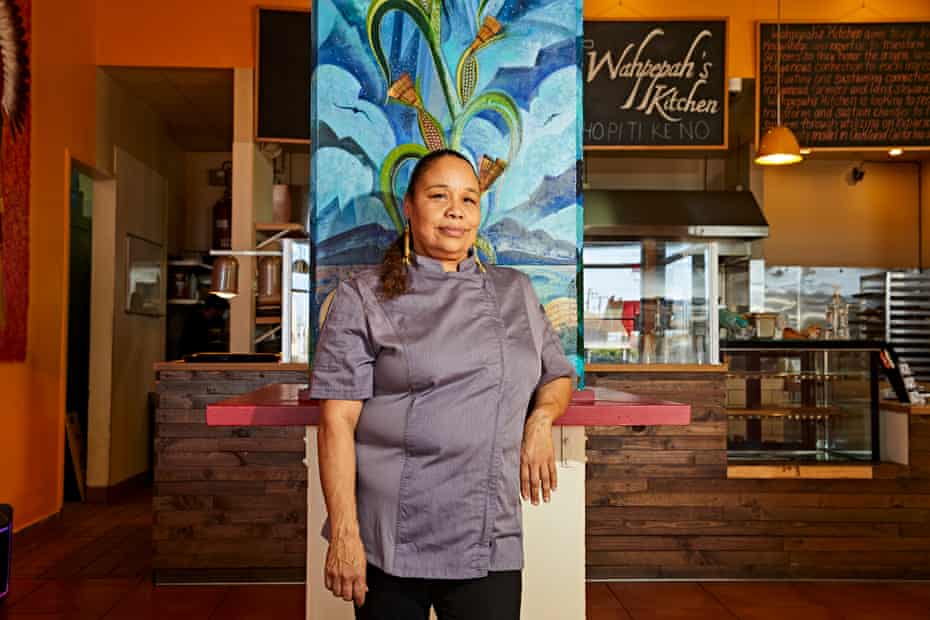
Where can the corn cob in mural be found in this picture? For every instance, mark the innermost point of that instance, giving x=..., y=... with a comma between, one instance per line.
x=403, y=91
x=467, y=72
x=488, y=171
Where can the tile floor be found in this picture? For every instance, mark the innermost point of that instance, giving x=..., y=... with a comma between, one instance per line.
x=94, y=563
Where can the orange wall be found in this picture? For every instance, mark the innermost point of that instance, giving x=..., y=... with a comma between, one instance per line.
x=219, y=33
x=743, y=15
x=179, y=33
x=63, y=119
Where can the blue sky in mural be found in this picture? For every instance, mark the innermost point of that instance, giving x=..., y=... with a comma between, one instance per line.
x=530, y=211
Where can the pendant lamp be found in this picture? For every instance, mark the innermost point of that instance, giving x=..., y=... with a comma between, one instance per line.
x=224, y=281
x=778, y=146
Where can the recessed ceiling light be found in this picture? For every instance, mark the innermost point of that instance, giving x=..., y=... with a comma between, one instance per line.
x=895, y=152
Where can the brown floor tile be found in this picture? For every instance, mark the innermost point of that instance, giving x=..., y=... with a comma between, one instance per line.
x=607, y=613
x=681, y=613
x=888, y=614
x=150, y=602
x=758, y=594
x=261, y=602
x=19, y=588
x=917, y=591
x=75, y=600
x=663, y=595
x=865, y=600
x=599, y=596
x=786, y=613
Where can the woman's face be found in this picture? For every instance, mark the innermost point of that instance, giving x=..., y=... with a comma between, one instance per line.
x=444, y=210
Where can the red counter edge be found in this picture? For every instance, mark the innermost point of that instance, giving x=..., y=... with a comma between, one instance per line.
x=280, y=405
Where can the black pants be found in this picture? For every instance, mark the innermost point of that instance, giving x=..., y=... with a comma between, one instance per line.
x=495, y=597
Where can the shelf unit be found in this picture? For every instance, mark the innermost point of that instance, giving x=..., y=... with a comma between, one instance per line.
x=896, y=309
x=272, y=236
x=831, y=389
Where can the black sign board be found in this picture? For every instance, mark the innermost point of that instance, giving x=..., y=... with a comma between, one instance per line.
x=848, y=85
x=283, y=76
x=655, y=84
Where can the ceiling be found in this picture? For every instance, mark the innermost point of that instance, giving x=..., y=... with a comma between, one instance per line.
x=196, y=105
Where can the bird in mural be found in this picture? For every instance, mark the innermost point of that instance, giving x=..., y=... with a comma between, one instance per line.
x=14, y=93
x=550, y=119
x=353, y=109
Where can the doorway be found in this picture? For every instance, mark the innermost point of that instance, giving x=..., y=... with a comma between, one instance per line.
x=79, y=297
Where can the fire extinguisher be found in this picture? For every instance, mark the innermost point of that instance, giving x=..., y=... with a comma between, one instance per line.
x=222, y=214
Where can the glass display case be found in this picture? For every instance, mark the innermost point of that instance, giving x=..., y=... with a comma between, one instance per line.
x=805, y=401
x=646, y=302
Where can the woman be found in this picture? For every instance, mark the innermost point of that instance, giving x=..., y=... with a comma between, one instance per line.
x=426, y=369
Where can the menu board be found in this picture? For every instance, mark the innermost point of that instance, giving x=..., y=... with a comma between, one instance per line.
x=848, y=85
x=655, y=84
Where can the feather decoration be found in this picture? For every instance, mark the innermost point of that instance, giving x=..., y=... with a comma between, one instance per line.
x=14, y=66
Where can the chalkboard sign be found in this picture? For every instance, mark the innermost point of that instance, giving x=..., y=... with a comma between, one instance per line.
x=848, y=85
x=282, y=105
x=655, y=84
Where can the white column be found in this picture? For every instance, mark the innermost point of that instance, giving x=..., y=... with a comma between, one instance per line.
x=553, y=540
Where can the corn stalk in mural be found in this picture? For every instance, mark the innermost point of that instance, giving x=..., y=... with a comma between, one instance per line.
x=460, y=101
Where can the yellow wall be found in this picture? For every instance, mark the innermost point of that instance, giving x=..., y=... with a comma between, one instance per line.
x=32, y=439
x=743, y=15
x=925, y=212
x=817, y=217
x=179, y=33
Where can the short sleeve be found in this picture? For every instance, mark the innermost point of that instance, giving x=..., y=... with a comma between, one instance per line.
x=554, y=362
x=343, y=362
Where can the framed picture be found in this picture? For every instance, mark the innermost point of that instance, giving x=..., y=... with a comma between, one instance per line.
x=145, y=276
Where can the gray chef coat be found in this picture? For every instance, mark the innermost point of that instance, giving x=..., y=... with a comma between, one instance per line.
x=446, y=372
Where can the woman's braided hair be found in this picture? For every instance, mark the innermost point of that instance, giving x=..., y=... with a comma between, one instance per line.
x=393, y=271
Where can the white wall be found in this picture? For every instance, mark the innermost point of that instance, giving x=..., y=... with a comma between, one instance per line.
x=199, y=198
x=144, y=194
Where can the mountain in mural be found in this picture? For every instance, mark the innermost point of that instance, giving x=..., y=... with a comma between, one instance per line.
x=362, y=245
x=522, y=83
x=516, y=245
x=553, y=195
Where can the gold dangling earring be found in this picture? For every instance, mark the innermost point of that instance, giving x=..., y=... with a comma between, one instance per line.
x=481, y=267
x=407, y=244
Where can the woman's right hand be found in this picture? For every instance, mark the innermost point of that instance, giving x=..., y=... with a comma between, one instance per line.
x=345, y=568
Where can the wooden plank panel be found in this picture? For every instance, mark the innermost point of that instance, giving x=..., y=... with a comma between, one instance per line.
x=671, y=543
x=643, y=443
x=219, y=517
x=720, y=527
x=231, y=444
x=173, y=474
x=857, y=544
x=595, y=471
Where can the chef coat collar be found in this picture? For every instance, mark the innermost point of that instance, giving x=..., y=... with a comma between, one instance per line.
x=466, y=266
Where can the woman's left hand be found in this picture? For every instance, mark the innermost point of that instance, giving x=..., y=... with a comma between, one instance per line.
x=537, y=460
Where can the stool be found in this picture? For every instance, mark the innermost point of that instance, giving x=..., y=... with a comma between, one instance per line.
x=6, y=548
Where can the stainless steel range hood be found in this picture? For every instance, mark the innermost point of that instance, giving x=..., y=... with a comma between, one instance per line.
x=629, y=214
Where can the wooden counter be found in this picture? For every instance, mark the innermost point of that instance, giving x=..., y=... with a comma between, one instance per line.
x=660, y=504
x=229, y=503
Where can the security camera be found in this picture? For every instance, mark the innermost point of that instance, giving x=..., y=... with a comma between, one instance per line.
x=857, y=174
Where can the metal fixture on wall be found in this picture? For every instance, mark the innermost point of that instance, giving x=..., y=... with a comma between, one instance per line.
x=778, y=146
